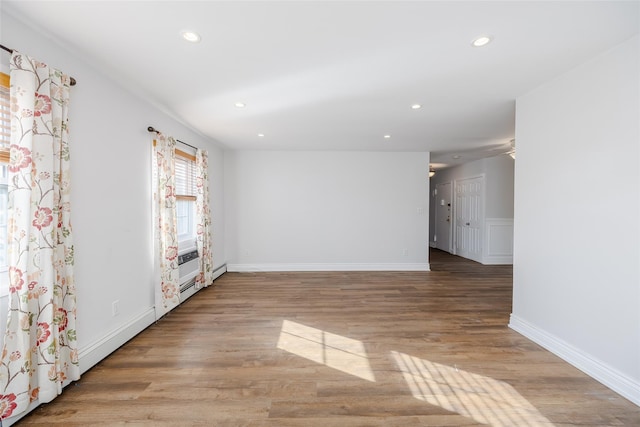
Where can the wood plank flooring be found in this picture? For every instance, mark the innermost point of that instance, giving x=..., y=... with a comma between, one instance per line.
x=340, y=349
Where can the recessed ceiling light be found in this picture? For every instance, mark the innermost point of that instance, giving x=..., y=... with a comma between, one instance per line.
x=387, y=136
x=190, y=36
x=416, y=106
x=240, y=104
x=456, y=157
x=261, y=135
x=481, y=41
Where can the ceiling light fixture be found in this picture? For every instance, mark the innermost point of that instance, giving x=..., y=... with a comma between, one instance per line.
x=431, y=172
x=190, y=36
x=240, y=104
x=261, y=135
x=387, y=136
x=481, y=41
x=455, y=157
x=416, y=106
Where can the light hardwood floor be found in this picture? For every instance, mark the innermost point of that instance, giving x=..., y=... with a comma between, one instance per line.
x=340, y=349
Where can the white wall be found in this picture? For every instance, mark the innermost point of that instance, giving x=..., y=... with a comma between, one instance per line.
x=499, y=173
x=577, y=239
x=498, y=228
x=111, y=203
x=327, y=210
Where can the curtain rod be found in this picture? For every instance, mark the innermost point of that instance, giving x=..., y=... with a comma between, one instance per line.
x=152, y=129
x=72, y=81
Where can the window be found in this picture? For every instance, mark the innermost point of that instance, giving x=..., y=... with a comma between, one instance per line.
x=5, y=138
x=185, y=170
x=186, y=191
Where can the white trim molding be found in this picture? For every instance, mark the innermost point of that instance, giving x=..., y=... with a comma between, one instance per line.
x=627, y=387
x=186, y=294
x=94, y=353
x=498, y=246
x=254, y=268
x=219, y=271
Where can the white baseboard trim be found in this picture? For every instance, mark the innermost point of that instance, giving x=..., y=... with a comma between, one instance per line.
x=92, y=354
x=89, y=356
x=219, y=271
x=95, y=352
x=186, y=294
x=610, y=377
x=254, y=268
x=498, y=260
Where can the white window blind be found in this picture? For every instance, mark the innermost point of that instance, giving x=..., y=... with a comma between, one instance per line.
x=5, y=117
x=185, y=170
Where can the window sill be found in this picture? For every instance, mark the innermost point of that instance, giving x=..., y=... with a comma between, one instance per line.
x=187, y=245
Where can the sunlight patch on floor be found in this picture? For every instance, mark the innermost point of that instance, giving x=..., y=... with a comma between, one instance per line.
x=335, y=351
x=481, y=398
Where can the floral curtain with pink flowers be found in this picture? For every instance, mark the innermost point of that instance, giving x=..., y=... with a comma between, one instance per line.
x=168, y=289
x=203, y=215
x=40, y=352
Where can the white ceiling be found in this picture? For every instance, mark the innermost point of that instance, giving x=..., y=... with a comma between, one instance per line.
x=338, y=75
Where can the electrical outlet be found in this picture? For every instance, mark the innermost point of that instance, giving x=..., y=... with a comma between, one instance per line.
x=405, y=252
x=115, y=308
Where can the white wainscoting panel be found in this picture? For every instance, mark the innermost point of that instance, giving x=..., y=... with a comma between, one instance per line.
x=498, y=248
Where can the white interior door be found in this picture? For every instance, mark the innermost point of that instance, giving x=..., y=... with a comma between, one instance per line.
x=469, y=217
x=444, y=219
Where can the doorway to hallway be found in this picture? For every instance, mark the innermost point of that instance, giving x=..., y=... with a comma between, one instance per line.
x=444, y=217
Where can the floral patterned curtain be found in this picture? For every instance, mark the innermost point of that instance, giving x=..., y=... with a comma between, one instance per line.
x=168, y=290
x=203, y=215
x=40, y=352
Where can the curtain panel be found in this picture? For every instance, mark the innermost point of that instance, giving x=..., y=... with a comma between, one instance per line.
x=203, y=215
x=167, y=295
x=40, y=352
